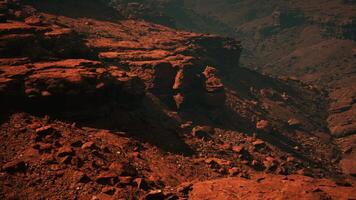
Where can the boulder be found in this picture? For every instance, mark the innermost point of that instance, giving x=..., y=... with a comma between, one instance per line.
x=212, y=82
x=270, y=164
x=215, y=94
x=107, y=178
x=65, y=151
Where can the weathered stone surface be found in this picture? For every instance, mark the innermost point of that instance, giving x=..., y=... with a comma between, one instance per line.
x=270, y=187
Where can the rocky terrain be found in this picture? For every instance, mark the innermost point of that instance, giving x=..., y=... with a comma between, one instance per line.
x=309, y=41
x=97, y=104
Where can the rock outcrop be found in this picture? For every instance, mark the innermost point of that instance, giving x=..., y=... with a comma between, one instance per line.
x=271, y=187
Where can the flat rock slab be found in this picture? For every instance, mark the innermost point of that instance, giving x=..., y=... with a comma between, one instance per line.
x=270, y=187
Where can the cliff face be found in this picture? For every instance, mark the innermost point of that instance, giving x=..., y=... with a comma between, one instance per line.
x=310, y=41
x=101, y=107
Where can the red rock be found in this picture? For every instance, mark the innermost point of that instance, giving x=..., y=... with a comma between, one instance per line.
x=186, y=125
x=65, y=151
x=88, y=145
x=347, y=165
x=255, y=163
x=108, y=190
x=154, y=195
x=34, y=20
x=258, y=143
x=270, y=164
x=238, y=149
x=34, y=125
x=125, y=180
x=65, y=159
x=212, y=82
x=294, y=122
x=102, y=196
x=178, y=83
x=215, y=94
x=107, y=178
x=270, y=187
x=263, y=125
x=233, y=171
x=45, y=130
x=48, y=158
x=184, y=187
x=118, y=167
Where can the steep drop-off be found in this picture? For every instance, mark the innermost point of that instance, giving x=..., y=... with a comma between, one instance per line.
x=310, y=41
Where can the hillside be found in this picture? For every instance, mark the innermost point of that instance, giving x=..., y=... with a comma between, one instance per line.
x=309, y=41
x=96, y=104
